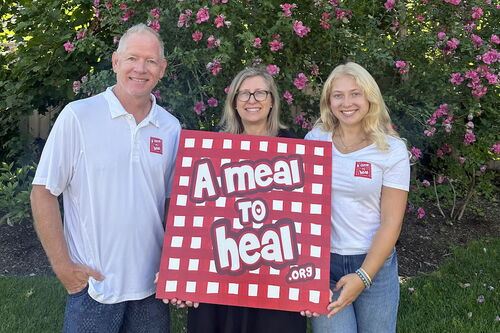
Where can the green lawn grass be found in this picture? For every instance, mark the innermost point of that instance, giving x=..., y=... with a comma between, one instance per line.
x=451, y=299
x=448, y=300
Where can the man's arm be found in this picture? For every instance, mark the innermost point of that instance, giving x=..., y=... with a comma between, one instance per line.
x=48, y=225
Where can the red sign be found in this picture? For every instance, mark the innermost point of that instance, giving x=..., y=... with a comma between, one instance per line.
x=249, y=222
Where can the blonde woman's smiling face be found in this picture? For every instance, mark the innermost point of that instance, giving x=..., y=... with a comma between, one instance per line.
x=348, y=102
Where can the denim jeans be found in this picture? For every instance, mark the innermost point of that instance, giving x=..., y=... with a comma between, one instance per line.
x=376, y=308
x=85, y=315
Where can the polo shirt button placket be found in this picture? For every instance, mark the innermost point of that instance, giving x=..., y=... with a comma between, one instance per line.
x=134, y=138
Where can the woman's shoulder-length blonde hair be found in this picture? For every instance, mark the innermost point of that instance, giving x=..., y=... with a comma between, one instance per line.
x=377, y=123
x=231, y=120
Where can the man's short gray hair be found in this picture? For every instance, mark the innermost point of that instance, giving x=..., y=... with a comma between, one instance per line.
x=140, y=28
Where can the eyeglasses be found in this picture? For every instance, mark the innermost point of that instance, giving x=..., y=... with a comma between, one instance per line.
x=259, y=95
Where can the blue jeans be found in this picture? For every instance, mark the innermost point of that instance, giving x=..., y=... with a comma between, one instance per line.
x=376, y=308
x=86, y=315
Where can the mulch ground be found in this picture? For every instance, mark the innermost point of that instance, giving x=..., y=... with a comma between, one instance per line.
x=422, y=247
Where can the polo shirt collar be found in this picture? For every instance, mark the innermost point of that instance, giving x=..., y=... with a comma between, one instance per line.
x=116, y=109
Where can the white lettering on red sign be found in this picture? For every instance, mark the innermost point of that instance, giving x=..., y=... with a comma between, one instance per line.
x=236, y=252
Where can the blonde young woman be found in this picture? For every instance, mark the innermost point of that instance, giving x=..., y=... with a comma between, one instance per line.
x=370, y=180
x=252, y=107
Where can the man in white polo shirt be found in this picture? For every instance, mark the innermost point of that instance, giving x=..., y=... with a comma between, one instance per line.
x=112, y=156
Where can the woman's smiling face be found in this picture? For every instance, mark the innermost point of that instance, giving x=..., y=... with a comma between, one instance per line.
x=348, y=101
x=254, y=112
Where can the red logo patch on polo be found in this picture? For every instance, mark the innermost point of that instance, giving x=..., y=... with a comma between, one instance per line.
x=156, y=145
x=363, y=169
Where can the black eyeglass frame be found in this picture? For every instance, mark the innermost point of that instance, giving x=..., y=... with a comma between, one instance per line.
x=250, y=94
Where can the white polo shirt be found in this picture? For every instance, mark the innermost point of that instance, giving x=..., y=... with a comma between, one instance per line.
x=115, y=176
x=357, y=180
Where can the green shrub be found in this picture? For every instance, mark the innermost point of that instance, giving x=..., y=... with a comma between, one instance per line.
x=435, y=61
x=15, y=188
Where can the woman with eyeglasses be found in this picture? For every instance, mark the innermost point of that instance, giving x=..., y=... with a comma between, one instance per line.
x=252, y=107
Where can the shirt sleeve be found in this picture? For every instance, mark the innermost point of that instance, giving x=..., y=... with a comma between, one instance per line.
x=397, y=174
x=60, y=155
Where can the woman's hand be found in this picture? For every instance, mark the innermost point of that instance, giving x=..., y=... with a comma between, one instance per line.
x=351, y=286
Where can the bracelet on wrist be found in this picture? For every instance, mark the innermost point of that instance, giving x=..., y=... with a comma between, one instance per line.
x=366, y=275
x=364, y=278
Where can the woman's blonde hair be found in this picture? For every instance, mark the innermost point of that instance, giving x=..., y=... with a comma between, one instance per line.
x=376, y=123
x=231, y=120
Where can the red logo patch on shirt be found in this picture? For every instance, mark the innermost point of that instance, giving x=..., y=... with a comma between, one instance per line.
x=363, y=169
x=156, y=145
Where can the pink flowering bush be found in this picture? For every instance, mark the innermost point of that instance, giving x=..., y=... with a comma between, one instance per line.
x=436, y=62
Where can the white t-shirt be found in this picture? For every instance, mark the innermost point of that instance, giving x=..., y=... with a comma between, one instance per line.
x=115, y=176
x=357, y=180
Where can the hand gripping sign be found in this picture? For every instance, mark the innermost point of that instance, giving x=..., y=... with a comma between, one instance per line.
x=249, y=222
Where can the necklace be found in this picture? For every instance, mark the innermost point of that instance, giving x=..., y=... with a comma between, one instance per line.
x=350, y=147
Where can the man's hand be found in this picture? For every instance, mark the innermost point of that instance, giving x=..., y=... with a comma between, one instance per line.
x=74, y=277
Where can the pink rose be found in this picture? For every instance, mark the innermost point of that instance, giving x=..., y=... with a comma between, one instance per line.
x=496, y=148
x=80, y=34
x=469, y=138
x=441, y=35
x=288, y=97
x=476, y=40
x=212, y=42
x=420, y=213
x=400, y=64
x=212, y=102
x=453, y=43
x=257, y=42
x=219, y=21
x=197, y=36
x=199, y=108
x=272, y=69
x=68, y=46
x=275, y=45
x=214, y=67
x=202, y=15
x=76, y=87
x=417, y=153
x=389, y=4
x=156, y=94
x=287, y=9
x=300, y=81
x=300, y=29
x=490, y=56
x=127, y=15
x=477, y=12
x=494, y=39
x=155, y=25
x=479, y=91
x=426, y=183
x=456, y=78
x=155, y=12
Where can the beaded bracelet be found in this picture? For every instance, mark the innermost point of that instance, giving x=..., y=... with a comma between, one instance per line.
x=364, y=278
x=366, y=275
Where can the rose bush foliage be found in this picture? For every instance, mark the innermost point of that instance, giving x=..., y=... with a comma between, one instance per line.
x=436, y=62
